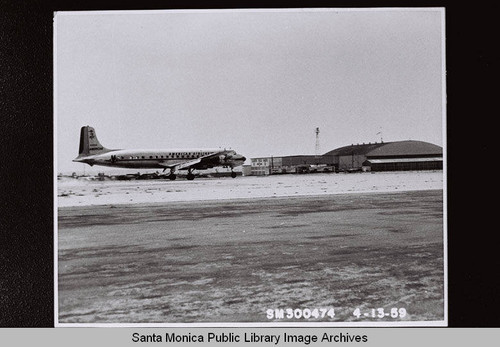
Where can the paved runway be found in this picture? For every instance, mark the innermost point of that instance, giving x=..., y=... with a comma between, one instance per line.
x=230, y=261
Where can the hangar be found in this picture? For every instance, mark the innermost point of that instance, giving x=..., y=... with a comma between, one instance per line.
x=382, y=156
x=389, y=156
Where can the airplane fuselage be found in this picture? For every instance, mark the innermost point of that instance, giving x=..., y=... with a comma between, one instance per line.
x=159, y=159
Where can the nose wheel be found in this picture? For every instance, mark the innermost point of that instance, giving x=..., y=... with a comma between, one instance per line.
x=233, y=174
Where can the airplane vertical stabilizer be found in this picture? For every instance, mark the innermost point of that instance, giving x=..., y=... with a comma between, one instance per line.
x=89, y=144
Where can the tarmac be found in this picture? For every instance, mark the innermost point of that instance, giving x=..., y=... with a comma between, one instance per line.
x=232, y=260
x=81, y=192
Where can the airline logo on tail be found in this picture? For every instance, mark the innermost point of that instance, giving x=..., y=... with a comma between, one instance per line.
x=89, y=144
x=92, y=153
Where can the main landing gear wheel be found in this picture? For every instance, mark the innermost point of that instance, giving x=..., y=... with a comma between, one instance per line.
x=190, y=175
x=172, y=177
x=233, y=174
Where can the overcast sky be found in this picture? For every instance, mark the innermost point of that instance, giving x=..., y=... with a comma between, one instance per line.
x=258, y=81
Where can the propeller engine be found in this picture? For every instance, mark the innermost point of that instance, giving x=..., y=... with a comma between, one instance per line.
x=225, y=158
x=222, y=158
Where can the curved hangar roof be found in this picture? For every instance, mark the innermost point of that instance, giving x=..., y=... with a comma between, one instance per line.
x=390, y=149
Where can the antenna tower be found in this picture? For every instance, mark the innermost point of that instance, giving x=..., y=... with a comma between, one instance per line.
x=317, y=142
x=380, y=133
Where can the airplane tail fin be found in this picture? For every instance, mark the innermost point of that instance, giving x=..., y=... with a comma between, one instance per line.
x=89, y=144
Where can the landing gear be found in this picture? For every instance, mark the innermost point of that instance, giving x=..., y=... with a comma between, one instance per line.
x=190, y=175
x=172, y=175
x=233, y=174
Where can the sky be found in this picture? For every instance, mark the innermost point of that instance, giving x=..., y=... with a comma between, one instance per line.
x=256, y=81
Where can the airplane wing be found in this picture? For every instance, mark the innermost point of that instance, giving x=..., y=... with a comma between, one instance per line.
x=181, y=165
x=187, y=164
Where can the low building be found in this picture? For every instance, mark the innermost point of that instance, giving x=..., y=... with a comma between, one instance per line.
x=247, y=170
x=291, y=164
x=260, y=166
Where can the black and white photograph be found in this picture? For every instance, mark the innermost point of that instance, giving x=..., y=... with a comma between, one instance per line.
x=250, y=167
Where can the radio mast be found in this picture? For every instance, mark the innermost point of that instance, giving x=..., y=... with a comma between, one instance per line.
x=317, y=142
x=380, y=133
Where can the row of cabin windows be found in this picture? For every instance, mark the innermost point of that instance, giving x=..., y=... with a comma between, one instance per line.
x=172, y=155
